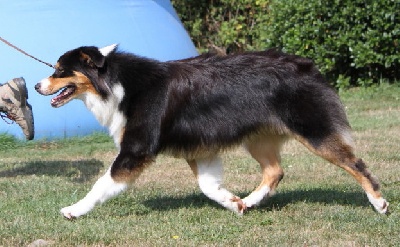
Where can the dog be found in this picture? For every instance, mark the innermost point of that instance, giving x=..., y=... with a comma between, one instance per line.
x=198, y=107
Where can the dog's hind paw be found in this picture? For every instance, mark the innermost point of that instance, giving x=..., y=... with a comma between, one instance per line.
x=380, y=204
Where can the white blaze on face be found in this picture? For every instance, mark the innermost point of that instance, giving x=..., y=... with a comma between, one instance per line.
x=44, y=86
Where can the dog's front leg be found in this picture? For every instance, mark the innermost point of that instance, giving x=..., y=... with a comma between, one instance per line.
x=104, y=188
x=118, y=177
x=138, y=148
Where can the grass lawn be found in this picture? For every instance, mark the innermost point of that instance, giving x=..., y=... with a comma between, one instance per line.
x=317, y=204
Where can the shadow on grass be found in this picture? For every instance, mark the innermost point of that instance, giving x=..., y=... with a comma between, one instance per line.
x=277, y=202
x=315, y=195
x=79, y=171
x=171, y=203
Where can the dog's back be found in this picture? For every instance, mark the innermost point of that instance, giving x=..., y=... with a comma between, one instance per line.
x=224, y=99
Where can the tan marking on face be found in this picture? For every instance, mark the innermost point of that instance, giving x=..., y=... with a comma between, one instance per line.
x=82, y=83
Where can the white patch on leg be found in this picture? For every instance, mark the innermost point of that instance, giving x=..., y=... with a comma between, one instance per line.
x=209, y=175
x=104, y=189
x=256, y=196
x=380, y=204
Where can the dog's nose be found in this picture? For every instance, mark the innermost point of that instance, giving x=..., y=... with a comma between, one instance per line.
x=37, y=86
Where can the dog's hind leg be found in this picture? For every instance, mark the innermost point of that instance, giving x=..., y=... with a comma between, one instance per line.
x=209, y=173
x=338, y=149
x=266, y=151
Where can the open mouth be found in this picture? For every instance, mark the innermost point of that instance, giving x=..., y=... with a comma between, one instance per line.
x=63, y=96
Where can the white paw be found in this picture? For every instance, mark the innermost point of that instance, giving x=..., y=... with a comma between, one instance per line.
x=256, y=196
x=248, y=203
x=67, y=213
x=380, y=204
x=75, y=210
x=236, y=205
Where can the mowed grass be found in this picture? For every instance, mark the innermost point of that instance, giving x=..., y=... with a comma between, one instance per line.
x=317, y=204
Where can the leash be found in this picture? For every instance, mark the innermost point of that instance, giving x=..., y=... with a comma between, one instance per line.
x=23, y=52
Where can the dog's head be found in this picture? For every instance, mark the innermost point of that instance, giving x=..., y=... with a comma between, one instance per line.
x=77, y=72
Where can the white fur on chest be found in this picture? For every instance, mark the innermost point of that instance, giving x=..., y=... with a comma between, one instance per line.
x=107, y=112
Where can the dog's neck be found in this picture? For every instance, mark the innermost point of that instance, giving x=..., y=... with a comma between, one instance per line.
x=107, y=113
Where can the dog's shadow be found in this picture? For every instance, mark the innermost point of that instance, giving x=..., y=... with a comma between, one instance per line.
x=277, y=202
x=78, y=171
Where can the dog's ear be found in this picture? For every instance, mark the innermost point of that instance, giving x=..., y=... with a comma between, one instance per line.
x=108, y=49
x=96, y=57
x=92, y=58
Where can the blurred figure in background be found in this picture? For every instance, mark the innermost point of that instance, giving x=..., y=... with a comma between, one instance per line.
x=13, y=103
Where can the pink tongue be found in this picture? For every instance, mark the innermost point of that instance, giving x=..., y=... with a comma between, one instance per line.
x=63, y=93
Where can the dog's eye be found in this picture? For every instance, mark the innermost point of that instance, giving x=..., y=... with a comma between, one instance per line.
x=59, y=71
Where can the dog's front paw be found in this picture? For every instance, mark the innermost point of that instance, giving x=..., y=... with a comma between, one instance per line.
x=238, y=206
x=75, y=210
x=67, y=213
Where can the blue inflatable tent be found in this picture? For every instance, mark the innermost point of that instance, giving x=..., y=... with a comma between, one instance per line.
x=46, y=29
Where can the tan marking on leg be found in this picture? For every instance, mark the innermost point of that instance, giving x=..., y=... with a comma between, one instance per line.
x=193, y=166
x=130, y=175
x=337, y=150
x=265, y=151
x=359, y=171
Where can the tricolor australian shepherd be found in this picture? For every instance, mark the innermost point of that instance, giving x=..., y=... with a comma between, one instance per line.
x=198, y=107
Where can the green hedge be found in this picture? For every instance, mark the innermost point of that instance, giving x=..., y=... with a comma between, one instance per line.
x=233, y=25
x=354, y=42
